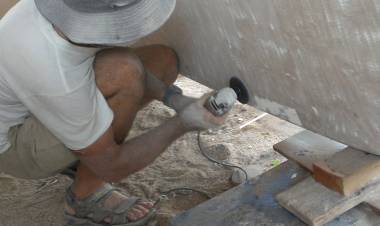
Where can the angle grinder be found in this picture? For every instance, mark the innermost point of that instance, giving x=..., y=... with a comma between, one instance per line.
x=221, y=102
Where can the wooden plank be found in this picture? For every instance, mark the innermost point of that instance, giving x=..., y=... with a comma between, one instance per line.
x=307, y=147
x=317, y=205
x=254, y=203
x=347, y=171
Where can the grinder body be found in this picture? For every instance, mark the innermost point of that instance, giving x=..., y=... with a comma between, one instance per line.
x=221, y=102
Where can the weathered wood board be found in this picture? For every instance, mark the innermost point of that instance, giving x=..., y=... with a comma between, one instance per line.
x=335, y=165
x=317, y=205
x=347, y=171
x=315, y=63
x=254, y=203
x=306, y=148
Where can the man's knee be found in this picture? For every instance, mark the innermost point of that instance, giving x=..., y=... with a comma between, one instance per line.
x=172, y=61
x=170, y=56
x=161, y=60
x=119, y=70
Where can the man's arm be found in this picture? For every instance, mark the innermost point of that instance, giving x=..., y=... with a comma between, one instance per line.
x=113, y=162
x=167, y=95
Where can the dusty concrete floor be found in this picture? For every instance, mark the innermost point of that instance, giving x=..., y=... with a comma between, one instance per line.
x=40, y=202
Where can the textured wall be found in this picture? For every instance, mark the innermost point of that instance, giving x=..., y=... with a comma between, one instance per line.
x=315, y=63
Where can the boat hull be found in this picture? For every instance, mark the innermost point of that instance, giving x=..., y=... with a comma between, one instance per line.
x=315, y=63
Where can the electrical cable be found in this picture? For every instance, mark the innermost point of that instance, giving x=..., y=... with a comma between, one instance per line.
x=225, y=164
x=165, y=194
x=175, y=190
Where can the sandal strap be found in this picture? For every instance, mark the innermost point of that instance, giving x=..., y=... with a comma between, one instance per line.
x=91, y=207
x=126, y=205
x=85, y=207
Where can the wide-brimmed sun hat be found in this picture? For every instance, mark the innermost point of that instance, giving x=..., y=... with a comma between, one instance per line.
x=110, y=22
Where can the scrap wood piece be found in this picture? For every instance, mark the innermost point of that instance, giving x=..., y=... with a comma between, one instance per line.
x=341, y=168
x=307, y=147
x=347, y=171
x=316, y=205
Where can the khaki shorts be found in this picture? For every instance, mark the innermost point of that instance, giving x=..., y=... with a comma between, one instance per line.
x=35, y=153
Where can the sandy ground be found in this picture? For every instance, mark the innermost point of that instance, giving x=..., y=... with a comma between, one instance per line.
x=40, y=202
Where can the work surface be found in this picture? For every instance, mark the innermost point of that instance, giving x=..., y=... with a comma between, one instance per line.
x=315, y=63
x=254, y=204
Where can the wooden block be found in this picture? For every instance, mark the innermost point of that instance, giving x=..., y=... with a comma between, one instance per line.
x=307, y=147
x=317, y=205
x=347, y=171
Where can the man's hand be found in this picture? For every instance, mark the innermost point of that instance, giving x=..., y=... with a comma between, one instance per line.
x=175, y=99
x=196, y=117
x=178, y=102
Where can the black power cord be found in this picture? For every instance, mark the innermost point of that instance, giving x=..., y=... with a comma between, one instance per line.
x=225, y=164
x=165, y=194
x=222, y=163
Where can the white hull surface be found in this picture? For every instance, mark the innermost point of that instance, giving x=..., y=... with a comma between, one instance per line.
x=315, y=63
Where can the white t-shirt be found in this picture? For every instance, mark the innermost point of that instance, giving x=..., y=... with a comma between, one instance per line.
x=46, y=76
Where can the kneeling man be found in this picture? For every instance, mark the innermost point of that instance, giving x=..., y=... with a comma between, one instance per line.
x=69, y=93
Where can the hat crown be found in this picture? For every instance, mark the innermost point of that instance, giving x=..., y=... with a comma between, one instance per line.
x=96, y=6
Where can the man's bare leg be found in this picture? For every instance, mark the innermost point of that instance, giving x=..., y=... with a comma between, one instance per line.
x=120, y=76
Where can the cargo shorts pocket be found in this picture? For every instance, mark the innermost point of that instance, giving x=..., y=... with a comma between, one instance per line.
x=35, y=153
